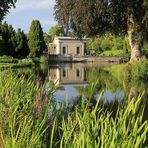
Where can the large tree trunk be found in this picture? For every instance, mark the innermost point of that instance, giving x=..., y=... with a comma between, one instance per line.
x=134, y=36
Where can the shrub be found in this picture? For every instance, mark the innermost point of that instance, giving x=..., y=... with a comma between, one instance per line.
x=139, y=70
x=145, y=50
x=109, y=42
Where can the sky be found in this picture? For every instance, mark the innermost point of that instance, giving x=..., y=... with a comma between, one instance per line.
x=28, y=10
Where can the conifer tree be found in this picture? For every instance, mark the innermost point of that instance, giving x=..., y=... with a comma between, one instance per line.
x=1, y=41
x=8, y=36
x=13, y=43
x=21, y=48
x=36, y=41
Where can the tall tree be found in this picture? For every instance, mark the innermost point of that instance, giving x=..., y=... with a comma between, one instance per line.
x=8, y=36
x=13, y=43
x=63, y=13
x=36, y=41
x=5, y=5
x=21, y=49
x=1, y=45
x=93, y=17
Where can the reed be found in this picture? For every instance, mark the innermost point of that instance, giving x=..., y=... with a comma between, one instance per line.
x=23, y=117
x=86, y=128
x=29, y=118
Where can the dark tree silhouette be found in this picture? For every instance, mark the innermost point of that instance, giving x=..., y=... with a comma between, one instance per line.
x=5, y=5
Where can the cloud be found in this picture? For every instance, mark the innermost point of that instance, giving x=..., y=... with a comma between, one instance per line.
x=25, y=5
x=27, y=10
x=47, y=22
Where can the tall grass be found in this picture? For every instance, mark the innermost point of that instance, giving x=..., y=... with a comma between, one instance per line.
x=23, y=121
x=90, y=128
x=26, y=122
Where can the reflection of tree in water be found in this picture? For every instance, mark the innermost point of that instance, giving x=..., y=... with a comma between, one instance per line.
x=100, y=79
x=139, y=87
x=40, y=78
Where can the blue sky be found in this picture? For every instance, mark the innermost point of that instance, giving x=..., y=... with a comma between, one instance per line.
x=28, y=10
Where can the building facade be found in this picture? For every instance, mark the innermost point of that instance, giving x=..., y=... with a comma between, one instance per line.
x=68, y=46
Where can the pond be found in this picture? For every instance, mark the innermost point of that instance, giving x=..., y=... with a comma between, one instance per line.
x=74, y=80
x=87, y=80
x=110, y=82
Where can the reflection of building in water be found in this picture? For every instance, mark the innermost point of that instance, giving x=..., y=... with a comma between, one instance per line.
x=73, y=74
x=54, y=75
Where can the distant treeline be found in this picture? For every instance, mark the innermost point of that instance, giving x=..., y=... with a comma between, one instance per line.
x=21, y=45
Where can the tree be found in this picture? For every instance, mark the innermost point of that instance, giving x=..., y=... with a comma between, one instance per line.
x=1, y=45
x=63, y=13
x=56, y=31
x=47, y=38
x=13, y=43
x=36, y=41
x=100, y=16
x=21, y=49
x=8, y=36
x=5, y=5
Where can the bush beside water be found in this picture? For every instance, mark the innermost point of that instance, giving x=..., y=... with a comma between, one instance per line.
x=139, y=70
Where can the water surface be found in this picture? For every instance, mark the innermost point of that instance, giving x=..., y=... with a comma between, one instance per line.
x=74, y=80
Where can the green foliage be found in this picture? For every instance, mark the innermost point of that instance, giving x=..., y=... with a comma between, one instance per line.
x=97, y=128
x=35, y=39
x=21, y=48
x=43, y=59
x=10, y=62
x=139, y=70
x=109, y=45
x=29, y=119
x=112, y=53
x=47, y=39
x=56, y=31
x=8, y=35
x=23, y=118
x=97, y=17
x=13, y=43
x=1, y=44
x=7, y=59
x=94, y=45
x=145, y=50
x=63, y=13
x=92, y=18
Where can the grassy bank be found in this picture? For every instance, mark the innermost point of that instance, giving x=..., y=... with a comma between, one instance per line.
x=10, y=62
x=30, y=118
